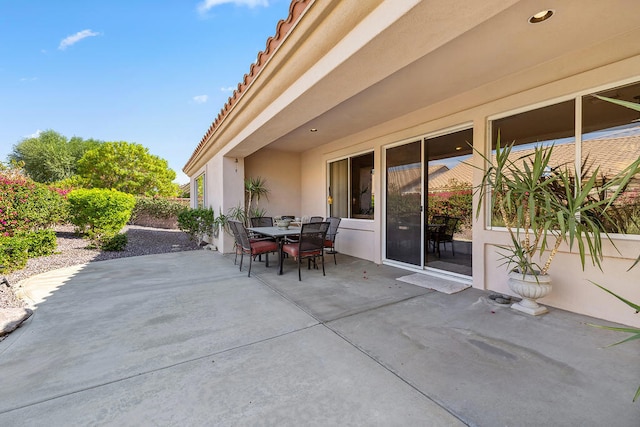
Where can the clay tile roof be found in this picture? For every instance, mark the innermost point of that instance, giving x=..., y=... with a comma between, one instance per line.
x=282, y=29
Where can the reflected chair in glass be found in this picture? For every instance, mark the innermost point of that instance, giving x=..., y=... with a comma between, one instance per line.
x=330, y=241
x=443, y=234
x=252, y=248
x=310, y=245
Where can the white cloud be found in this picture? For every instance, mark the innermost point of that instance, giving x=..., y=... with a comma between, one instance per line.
x=75, y=38
x=227, y=89
x=34, y=135
x=204, y=6
x=200, y=99
x=28, y=79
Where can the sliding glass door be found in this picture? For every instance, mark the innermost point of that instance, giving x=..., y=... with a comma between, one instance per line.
x=404, y=203
x=429, y=202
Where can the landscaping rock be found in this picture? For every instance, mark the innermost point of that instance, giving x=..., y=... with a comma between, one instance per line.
x=11, y=318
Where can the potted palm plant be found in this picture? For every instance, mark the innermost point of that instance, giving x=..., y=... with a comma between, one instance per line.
x=542, y=205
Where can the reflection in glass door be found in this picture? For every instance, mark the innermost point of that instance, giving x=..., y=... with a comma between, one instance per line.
x=404, y=203
x=449, y=212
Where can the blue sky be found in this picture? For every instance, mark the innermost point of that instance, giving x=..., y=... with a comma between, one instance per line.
x=152, y=72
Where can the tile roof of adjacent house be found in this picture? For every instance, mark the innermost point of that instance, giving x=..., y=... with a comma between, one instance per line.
x=611, y=155
x=282, y=29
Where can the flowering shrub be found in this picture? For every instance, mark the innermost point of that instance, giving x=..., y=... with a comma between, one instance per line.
x=26, y=205
x=456, y=200
x=100, y=213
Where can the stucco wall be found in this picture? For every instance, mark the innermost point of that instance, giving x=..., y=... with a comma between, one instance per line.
x=282, y=172
x=572, y=289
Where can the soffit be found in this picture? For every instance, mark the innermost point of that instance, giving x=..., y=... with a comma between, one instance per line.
x=346, y=101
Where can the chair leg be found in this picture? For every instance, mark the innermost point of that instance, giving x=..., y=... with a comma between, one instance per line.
x=322, y=260
x=241, y=259
x=266, y=261
x=299, y=274
x=250, y=259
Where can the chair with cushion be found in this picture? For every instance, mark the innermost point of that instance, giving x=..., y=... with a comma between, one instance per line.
x=330, y=241
x=252, y=248
x=309, y=246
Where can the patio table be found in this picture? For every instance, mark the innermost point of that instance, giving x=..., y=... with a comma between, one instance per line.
x=279, y=234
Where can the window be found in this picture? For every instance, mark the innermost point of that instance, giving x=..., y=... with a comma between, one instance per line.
x=199, y=192
x=609, y=140
x=351, y=187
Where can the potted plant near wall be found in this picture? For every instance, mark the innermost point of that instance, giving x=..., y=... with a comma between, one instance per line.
x=542, y=205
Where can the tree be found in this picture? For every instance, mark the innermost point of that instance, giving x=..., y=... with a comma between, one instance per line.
x=127, y=167
x=50, y=156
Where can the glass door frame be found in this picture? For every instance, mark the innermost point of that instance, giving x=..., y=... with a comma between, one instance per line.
x=423, y=210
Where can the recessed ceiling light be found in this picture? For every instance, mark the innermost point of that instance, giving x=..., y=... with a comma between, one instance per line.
x=313, y=130
x=458, y=148
x=541, y=16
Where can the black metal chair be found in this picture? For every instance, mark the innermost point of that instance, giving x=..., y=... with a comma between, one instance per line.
x=316, y=219
x=309, y=246
x=444, y=233
x=252, y=248
x=262, y=221
x=330, y=241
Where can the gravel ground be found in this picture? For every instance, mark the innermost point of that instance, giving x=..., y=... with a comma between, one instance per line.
x=72, y=250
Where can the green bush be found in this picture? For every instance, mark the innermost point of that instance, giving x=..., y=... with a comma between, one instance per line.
x=158, y=207
x=197, y=223
x=39, y=242
x=100, y=213
x=115, y=243
x=13, y=253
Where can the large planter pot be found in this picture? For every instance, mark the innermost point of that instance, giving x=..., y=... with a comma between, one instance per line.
x=530, y=287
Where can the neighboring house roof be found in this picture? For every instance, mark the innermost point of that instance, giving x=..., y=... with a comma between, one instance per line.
x=611, y=155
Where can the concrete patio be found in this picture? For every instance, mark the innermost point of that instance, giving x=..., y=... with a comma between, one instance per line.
x=186, y=339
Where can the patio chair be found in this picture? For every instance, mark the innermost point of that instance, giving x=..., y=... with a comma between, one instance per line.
x=444, y=234
x=316, y=219
x=309, y=246
x=262, y=221
x=252, y=248
x=330, y=241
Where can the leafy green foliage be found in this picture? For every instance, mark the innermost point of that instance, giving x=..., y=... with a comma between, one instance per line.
x=198, y=223
x=115, y=243
x=26, y=205
x=543, y=206
x=159, y=207
x=99, y=213
x=13, y=253
x=127, y=167
x=50, y=156
x=39, y=242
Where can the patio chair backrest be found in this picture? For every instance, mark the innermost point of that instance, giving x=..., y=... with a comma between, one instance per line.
x=262, y=221
x=241, y=235
x=312, y=236
x=316, y=219
x=334, y=223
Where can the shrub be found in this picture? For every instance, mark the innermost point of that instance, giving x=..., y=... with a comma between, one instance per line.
x=158, y=207
x=115, y=243
x=197, y=223
x=13, y=253
x=100, y=213
x=39, y=242
x=26, y=205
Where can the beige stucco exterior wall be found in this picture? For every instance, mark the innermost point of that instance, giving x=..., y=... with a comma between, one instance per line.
x=572, y=290
x=281, y=169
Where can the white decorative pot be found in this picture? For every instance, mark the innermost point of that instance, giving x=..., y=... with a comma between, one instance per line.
x=530, y=287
